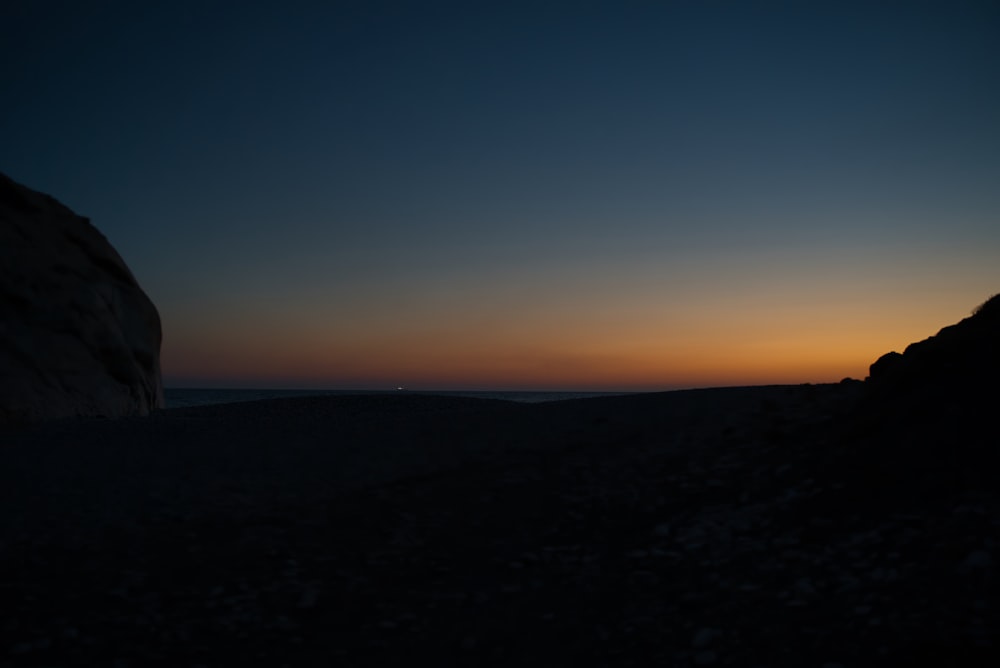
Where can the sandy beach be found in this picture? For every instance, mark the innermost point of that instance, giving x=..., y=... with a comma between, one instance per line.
x=709, y=527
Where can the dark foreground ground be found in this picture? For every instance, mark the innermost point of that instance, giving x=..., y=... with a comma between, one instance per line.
x=780, y=526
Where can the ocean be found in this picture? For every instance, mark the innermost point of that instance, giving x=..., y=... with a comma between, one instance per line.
x=183, y=397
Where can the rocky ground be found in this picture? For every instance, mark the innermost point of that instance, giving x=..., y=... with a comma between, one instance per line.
x=782, y=526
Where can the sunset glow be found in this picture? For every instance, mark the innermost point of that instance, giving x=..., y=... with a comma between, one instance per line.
x=469, y=195
x=735, y=341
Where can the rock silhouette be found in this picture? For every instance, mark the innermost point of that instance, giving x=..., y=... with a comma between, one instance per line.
x=78, y=336
x=960, y=359
x=924, y=427
x=933, y=404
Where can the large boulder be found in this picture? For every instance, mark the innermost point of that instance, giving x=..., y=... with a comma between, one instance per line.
x=78, y=336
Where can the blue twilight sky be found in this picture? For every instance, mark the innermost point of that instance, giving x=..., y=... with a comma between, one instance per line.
x=626, y=195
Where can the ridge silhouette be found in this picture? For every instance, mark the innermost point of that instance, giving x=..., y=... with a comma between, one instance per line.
x=961, y=358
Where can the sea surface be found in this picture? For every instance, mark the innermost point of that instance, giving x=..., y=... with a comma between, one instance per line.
x=182, y=397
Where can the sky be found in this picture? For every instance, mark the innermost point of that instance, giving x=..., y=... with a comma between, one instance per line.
x=506, y=195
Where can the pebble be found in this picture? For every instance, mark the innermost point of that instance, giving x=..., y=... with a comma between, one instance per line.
x=703, y=638
x=309, y=597
x=21, y=648
x=705, y=658
x=976, y=561
x=805, y=587
x=662, y=529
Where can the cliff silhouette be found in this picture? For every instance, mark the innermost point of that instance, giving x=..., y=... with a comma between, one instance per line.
x=929, y=413
x=960, y=362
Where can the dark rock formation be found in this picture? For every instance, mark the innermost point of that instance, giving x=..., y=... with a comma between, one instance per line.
x=928, y=421
x=884, y=365
x=960, y=360
x=78, y=336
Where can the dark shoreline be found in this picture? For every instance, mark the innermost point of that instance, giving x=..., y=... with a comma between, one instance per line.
x=726, y=526
x=181, y=397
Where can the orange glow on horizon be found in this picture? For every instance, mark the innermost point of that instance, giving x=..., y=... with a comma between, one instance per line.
x=711, y=359
x=533, y=371
x=738, y=339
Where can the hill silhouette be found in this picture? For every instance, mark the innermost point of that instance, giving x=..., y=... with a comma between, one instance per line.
x=929, y=415
x=960, y=362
